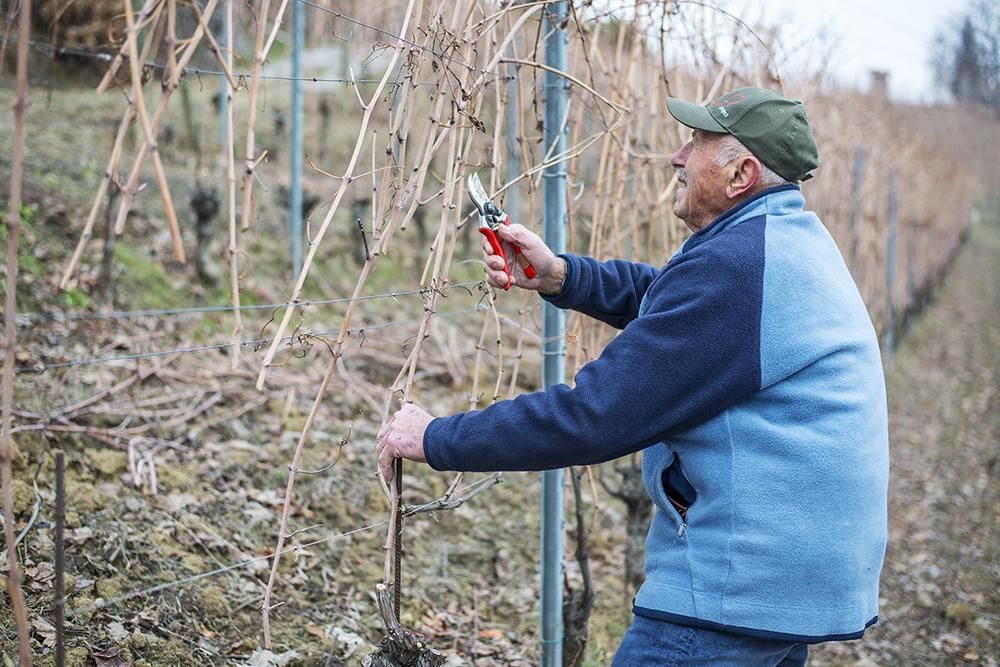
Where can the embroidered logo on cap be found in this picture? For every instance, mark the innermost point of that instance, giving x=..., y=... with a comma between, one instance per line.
x=728, y=100
x=734, y=98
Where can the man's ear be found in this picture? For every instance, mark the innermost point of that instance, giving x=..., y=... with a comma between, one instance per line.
x=745, y=174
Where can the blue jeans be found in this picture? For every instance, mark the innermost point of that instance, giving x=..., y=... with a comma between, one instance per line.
x=652, y=643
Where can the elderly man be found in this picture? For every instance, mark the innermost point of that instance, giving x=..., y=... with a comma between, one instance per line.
x=747, y=372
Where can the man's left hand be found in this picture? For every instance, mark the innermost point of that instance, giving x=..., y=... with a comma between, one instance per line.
x=402, y=437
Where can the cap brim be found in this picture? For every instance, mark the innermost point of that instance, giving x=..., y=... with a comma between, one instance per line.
x=694, y=116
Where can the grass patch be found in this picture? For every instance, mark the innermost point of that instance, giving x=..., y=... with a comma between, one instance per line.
x=145, y=283
x=29, y=212
x=76, y=299
x=29, y=267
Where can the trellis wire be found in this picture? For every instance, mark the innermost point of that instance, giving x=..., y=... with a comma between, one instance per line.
x=388, y=33
x=107, y=57
x=41, y=368
x=48, y=49
x=42, y=318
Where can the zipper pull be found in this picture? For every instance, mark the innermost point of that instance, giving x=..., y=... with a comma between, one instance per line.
x=682, y=530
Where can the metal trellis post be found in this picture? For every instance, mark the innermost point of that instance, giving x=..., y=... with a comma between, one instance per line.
x=295, y=198
x=857, y=206
x=911, y=278
x=889, y=334
x=553, y=327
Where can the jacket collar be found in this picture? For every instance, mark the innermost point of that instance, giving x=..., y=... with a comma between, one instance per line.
x=777, y=199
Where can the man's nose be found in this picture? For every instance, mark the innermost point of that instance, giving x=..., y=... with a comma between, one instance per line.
x=679, y=158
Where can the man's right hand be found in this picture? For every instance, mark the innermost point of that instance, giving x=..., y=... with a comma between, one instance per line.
x=550, y=270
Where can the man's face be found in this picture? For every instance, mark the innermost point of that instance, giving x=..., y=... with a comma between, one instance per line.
x=701, y=187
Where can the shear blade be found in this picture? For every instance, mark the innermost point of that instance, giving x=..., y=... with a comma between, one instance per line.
x=476, y=192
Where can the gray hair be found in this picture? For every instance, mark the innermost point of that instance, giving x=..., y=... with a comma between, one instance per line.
x=730, y=148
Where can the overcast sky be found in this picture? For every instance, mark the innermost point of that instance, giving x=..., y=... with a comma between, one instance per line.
x=891, y=35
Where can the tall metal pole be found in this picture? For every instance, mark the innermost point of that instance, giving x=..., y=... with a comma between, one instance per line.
x=553, y=326
x=295, y=214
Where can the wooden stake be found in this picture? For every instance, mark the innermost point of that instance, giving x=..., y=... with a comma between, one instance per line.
x=246, y=214
x=234, y=234
x=10, y=334
x=109, y=175
x=150, y=146
x=112, y=168
x=168, y=85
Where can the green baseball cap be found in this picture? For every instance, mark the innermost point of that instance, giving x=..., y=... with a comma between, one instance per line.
x=773, y=128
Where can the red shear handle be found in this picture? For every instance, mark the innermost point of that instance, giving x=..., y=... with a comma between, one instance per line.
x=497, y=250
x=526, y=266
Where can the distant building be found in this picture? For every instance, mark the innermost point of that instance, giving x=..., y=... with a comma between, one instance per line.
x=879, y=90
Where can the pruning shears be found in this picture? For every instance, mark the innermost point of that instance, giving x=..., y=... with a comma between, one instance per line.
x=491, y=217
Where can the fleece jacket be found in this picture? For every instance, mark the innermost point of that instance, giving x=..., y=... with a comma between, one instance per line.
x=748, y=373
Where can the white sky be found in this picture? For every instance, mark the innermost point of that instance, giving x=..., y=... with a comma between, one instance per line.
x=891, y=35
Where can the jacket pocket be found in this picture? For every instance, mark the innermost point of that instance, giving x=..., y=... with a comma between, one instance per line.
x=678, y=490
x=667, y=486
